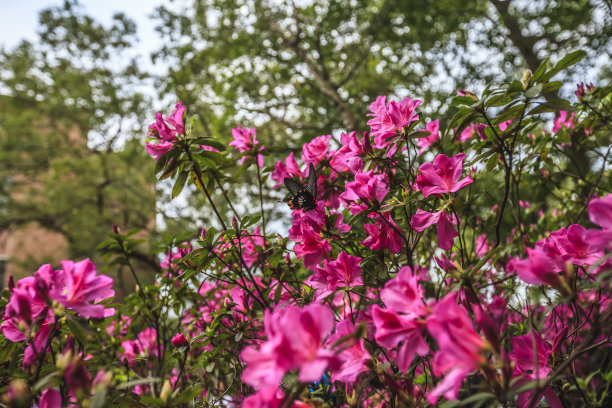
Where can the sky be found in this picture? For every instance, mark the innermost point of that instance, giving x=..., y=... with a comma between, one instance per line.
x=20, y=19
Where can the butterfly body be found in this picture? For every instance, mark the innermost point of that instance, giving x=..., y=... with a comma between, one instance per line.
x=302, y=197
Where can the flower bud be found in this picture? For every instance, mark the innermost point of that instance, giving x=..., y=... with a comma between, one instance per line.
x=165, y=391
x=526, y=79
x=179, y=340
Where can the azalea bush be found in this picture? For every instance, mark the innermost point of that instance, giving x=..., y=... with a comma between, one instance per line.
x=459, y=264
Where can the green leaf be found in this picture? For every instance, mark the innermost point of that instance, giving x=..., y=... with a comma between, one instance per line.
x=277, y=292
x=209, y=142
x=498, y=100
x=565, y=62
x=140, y=381
x=533, y=92
x=179, y=184
x=492, y=162
x=539, y=71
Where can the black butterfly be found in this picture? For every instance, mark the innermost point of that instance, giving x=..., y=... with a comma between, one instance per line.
x=304, y=197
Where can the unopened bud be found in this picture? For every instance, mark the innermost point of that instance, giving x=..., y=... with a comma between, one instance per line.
x=115, y=229
x=165, y=391
x=526, y=79
x=11, y=283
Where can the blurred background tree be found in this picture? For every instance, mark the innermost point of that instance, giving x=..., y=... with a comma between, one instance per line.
x=71, y=157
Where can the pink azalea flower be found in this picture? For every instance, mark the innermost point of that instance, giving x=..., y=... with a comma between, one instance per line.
x=316, y=150
x=348, y=156
x=460, y=347
x=576, y=247
x=537, y=269
x=343, y=272
x=433, y=128
x=390, y=120
x=41, y=338
x=392, y=329
x=504, y=125
x=294, y=341
x=381, y=235
x=245, y=140
x=563, y=121
x=313, y=221
x=50, y=398
x=265, y=397
x=288, y=169
x=480, y=129
x=482, y=245
x=367, y=187
x=165, y=130
x=353, y=356
x=530, y=353
x=403, y=294
x=157, y=150
x=176, y=119
x=404, y=112
x=313, y=249
x=445, y=225
x=467, y=133
x=600, y=213
x=84, y=288
x=442, y=176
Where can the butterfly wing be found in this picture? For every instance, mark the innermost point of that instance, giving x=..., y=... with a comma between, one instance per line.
x=311, y=183
x=293, y=186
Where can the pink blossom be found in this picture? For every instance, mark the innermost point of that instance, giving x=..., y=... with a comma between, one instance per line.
x=165, y=130
x=50, y=398
x=313, y=221
x=382, y=235
x=316, y=150
x=480, y=129
x=84, y=288
x=576, y=247
x=157, y=150
x=442, y=176
x=433, y=128
x=390, y=120
x=245, y=140
x=353, y=356
x=313, y=249
x=179, y=340
x=530, y=353
x=288, y=169
x=403, y=294
x=460, y=347
x=482, y=245
x=348, y=157
x=504, y=125
x=367, y=187
x=294, y=341
x=600, y=213
x=392, y=329
x=342, y=272
x=445, y=225
x=177, y=118
x=537, y=269
x=563, y=121
x=265, y=397
x=467, y=133
x=404, y=112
